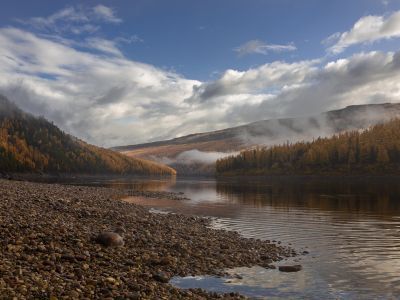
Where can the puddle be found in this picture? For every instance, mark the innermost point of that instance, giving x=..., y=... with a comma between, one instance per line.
x=256, y=283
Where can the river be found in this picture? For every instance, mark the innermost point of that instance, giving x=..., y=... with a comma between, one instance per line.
x=349, y=231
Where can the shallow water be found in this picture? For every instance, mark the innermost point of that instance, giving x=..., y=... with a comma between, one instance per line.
x=351, y=229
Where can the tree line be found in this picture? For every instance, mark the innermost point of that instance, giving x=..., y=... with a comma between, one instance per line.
x=374, y=150
x=33, y=144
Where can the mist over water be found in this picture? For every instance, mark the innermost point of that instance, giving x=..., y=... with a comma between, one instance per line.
x=196, y=154
x=279, y=131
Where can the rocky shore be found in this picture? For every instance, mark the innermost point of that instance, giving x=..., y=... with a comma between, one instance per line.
x=48, y=246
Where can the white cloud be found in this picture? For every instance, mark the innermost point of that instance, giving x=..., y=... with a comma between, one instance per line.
x=105, y=46
x=106, y=13
x=368, y=29
x=108, y=99
x=259, y=47
x=129, y=40
x=299, y=89
x=84, y=28
x=269, y=78
x=67, y=14
x=74, y=19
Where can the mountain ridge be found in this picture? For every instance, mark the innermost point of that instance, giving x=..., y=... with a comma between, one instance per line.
x=227, y=131
x=33, y=144
x=191, y=154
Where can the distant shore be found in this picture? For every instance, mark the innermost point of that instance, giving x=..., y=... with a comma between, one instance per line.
x=54, y=177
x=83, y=178
x=302, y=177
x=48, y=248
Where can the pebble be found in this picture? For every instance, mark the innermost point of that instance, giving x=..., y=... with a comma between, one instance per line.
x=110, y=239
x=294, y=268
x=161, y=277
x=67, y=242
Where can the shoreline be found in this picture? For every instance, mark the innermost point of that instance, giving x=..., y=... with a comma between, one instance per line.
x=71, y=178
x=48, y=249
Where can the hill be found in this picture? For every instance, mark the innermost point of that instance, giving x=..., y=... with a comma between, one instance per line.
x=30, y=144
x=375, y=150
x=196, y=153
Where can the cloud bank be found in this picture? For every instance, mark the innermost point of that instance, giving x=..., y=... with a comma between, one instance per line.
x=91, y=90
x=97, y=97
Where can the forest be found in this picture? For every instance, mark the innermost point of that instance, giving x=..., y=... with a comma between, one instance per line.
x=375, y=150
x=31, y=144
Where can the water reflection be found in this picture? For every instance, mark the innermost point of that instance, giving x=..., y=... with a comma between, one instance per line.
x=133, y=183
x=352, y=196
x=350, y=227
x=154, y=184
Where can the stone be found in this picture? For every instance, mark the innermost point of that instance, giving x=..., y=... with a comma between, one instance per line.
x=47, y=253
x=161, y=277
x=111, y=280
x=294, y=268
x=110, y=239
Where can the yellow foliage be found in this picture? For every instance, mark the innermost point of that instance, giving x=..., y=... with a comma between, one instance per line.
x=374, y=150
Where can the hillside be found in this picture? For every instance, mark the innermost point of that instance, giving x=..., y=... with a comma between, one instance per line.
x=373, y=151
x=33, y=144
x=193, y=153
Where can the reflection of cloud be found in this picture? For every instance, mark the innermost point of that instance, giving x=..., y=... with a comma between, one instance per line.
x=335, y=229
x=356, y=226
x=142, y=185
x=268, y=282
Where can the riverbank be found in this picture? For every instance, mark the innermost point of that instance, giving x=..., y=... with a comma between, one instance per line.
x=47, y=246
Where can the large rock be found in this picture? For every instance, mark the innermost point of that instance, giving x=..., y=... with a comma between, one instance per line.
x=110, y=239
x=161, y=277
x=294, y=268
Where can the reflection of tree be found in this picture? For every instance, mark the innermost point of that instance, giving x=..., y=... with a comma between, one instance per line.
x=145, y=184
x=352, y=196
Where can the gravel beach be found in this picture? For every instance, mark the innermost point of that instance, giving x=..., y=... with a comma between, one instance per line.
x=49, y=246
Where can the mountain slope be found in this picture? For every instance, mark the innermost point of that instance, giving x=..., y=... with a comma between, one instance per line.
x=375, y=150
x=33, y=144
x=191, y=154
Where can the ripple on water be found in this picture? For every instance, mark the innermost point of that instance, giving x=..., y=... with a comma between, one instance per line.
x=351, y=231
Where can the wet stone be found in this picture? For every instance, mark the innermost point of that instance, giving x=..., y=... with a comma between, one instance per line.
x=109, y=239
x=48, y=250
x=294, y=268
x=161, y=277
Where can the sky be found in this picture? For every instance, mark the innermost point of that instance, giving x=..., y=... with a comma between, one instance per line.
x=127, y=72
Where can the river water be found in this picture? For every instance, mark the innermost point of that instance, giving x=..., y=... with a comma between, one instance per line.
x=351, y=229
